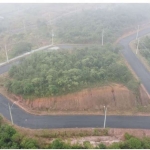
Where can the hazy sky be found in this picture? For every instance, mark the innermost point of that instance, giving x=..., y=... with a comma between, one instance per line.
x=74, y=1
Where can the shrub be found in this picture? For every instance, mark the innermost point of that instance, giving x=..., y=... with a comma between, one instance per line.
x=114, y=146
x=87, y=145
x=133, y=143
x=59, y=144
x=127, y=136
x=101, y=146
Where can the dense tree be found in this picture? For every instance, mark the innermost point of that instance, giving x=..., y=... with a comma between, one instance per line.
x=59, y=72
x=10, y=138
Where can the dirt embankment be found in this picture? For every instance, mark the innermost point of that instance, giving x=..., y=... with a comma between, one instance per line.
x=117, y=98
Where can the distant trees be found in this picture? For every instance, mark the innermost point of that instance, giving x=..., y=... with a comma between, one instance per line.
x=144, y=48
x=20, y=48
x=131, y=142
x=82, y=27
x=43, y=29
x=87, y=26
x=59, y=72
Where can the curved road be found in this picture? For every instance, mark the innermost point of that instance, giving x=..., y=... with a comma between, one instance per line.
x=140, y=70
x=24, y=119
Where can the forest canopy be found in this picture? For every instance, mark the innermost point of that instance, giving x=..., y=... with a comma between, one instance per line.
x=46, y=74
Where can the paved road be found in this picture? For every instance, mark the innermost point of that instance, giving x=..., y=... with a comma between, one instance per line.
x=21, y=118
x=26, y=120
x=135, y=63
x=5, y=66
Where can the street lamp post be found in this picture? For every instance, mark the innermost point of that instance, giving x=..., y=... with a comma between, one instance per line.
x=105, y=110
x=137, y=46
x=137, y=32
x=10, y=107
x=102, y=36
x=24, y=27
x=52, y=37
x=6, y=53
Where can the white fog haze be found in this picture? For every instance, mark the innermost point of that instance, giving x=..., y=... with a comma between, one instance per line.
x=77, y=72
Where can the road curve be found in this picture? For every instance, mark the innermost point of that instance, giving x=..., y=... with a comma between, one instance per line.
x=24, y=119
x=138, y=67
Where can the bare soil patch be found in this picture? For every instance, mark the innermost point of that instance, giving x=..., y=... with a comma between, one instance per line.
x=118, y=99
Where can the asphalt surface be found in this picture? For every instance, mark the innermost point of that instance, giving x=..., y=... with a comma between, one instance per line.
x=140, y=70
x=24, y=119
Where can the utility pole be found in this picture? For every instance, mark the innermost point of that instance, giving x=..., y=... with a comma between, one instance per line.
x=137, y=45
x=10, y=114
x=52, y=37
x=102, y=36
x=137, y=32
x=105, y=110
x=6, y=52
x=24, y=27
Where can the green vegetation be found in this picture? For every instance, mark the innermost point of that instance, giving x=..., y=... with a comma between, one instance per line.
x=32, y=22
x=69, y=134
x=132, y=142
x=61, y=72
x=28, y=23
x=20, y=48
x=144, y=48
x=87, y=25
x=11, y=139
